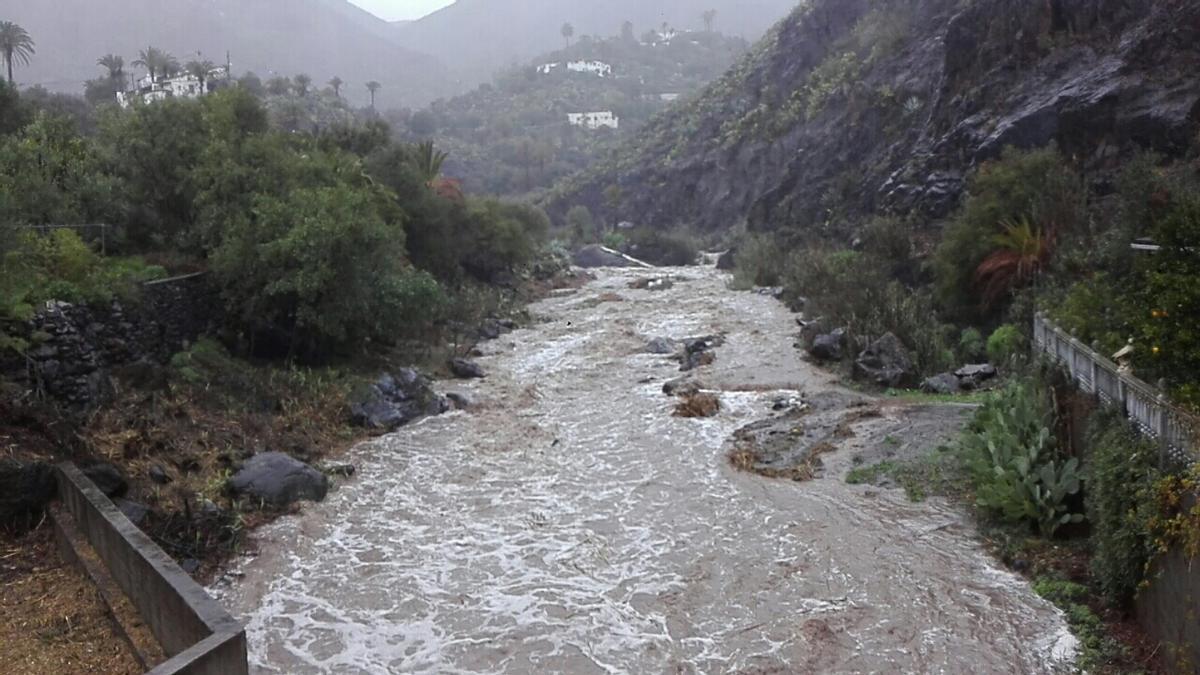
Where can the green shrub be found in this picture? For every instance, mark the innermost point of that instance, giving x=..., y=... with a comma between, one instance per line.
x=971, y=347
x=1122, y=470
x=671, y=249
x=1035, y=186
x=1018, y=475
x=581, y=225
x=1005, y=345
x=760, y=261
x=614, y=240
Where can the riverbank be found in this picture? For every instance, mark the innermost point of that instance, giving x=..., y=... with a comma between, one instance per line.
x=168, y=440
x=571, y=522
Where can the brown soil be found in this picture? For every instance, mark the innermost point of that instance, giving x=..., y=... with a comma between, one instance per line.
x=51, y=617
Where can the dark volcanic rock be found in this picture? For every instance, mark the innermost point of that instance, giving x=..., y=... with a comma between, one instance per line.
x=828, y=346
x=979, y=372
x=395, y=400
x=25, y=490
x=159, y=475
x=279, y=480
x=465, y=369
x=681, y=387
x=108, y=478
x=661, y=346
x=946, y=383
x=886, y=363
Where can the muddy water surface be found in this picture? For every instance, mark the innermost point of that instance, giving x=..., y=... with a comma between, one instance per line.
x=573, y=525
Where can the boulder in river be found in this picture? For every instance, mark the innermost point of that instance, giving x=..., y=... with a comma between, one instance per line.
x=828, y=346
x=698, y=404
x=681, y=386
x=885, y=363
x=661, y=345
x=395, y=400
x=698, y=351
x=464, y=369
x=279, y=480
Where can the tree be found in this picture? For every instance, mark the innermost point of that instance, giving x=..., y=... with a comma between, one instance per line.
x=336, y=83
x=568, y=32
x=709, y=16
x=423, y=123
x=157, y=63
x=303, y=82
x=613, y=197
x=429, y=161
x=581, y=225
x=16, y=46
x=373, y=87
x=252, y=84
x=200, y=70
x=115, y=65
x=279, y=86
x=627, y=32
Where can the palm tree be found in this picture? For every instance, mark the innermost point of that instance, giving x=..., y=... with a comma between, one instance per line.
x=709, y=16
x=568, y=32
x=200, y=70
x=1022, y=251
x=157, y=62
x=429, y=161
x=303, y=82
x=15, y=45
x=336, y=83
x=373, y=87
x=114, y=64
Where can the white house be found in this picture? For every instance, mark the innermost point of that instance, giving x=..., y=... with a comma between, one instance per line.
x=669, y=98
x=547, y=68
x=183, y=85
x=595, y=67
x=594, y=120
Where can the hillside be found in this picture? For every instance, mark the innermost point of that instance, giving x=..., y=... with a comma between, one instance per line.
x=322, y=38
x=512, y=136
x=843, y=110
x=518, y=30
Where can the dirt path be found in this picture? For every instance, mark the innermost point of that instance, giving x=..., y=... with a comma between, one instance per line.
x=572, y=524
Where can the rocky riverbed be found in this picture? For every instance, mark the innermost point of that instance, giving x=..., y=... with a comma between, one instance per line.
x=568, y=521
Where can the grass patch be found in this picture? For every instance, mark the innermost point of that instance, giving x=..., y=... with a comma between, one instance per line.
x=1099, y=652
x=918, y=396
x=937, y=474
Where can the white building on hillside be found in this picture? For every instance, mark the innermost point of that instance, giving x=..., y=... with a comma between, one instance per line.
x=594, y=120
x=183, y=85
x=595, y=67
x=547, y=68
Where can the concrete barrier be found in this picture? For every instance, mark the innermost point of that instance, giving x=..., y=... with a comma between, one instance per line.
x=196, y=633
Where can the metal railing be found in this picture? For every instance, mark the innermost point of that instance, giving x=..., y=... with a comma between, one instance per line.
x=1176, y=431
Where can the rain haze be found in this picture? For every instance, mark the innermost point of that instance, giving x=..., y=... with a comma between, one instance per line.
x=599, y=336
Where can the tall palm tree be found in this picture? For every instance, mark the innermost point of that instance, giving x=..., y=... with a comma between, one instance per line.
x=15, y=45
x=115, y=65
x=200, y=70
x=303, y=82
x=336, y=83
x=157, y=62
x=568, y=32
x=429, y=161
x=709, y=16
x=373, y=87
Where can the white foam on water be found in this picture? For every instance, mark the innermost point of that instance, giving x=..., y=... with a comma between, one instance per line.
x=573, y=524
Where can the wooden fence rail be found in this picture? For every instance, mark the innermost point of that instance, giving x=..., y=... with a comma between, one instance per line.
x=1176, y=431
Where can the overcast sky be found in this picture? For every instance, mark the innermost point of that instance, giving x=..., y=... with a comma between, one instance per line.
x=395, y=10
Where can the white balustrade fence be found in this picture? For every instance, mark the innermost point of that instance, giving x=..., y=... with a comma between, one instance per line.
x=1177, y=432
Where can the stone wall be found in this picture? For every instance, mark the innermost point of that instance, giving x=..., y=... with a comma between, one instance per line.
x=75, y=347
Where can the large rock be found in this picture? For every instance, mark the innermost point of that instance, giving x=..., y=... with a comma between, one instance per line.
x=661, y=345
x=978, y=372
x=108, y=478
x=699, y=351
x=25, y=490
x=464, y=369
x=395, y=400
x=828, y=346
x=279, y=480
x=728, y=260
x=946, y=383
x=885, y=363
x=598, y=256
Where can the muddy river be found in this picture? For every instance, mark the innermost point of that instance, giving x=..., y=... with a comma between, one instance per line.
x=571, y=524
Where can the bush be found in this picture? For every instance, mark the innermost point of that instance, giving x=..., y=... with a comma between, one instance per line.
x=1121, y=474
x=1018, y=475
x=663, y=248
x=760, y=261
x=1005, y=345
x=580, y=224
x=1022, y=187
x=499, y=237
x=971, y=347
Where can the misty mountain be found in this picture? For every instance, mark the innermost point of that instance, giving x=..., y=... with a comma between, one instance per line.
x=321, y=38
x=475, y=38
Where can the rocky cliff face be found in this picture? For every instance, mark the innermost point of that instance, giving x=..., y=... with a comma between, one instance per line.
x=854, y=106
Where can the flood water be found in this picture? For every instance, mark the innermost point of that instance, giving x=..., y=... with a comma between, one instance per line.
x=572, y=525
